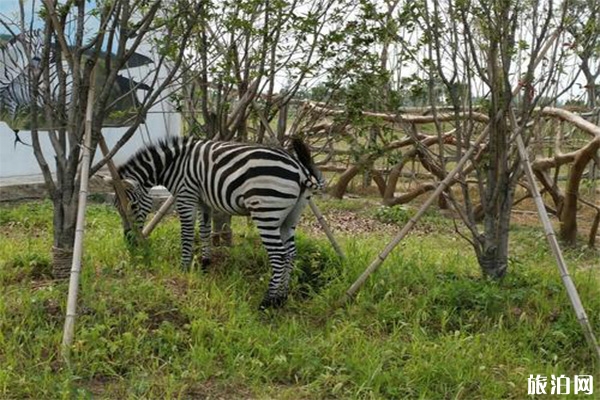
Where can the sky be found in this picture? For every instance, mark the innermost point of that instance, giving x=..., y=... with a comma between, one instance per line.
x=9, y=14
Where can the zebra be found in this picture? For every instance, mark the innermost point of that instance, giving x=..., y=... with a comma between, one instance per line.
x=269, y=184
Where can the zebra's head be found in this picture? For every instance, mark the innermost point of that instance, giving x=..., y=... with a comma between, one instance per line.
x=140, y=205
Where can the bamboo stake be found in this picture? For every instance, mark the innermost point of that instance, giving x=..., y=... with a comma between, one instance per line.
x=326, y=228
x=414, y=219
x=553, y=242
x=164, y=209
x=71, y=314
x=441, y=187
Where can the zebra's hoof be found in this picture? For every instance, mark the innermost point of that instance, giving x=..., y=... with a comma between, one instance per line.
x=205, y=264
x=130, y=238
x=272, y=302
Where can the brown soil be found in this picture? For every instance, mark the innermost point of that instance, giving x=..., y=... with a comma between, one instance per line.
x=346, y=222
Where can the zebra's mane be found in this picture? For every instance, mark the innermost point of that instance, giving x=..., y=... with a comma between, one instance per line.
x=163, y=144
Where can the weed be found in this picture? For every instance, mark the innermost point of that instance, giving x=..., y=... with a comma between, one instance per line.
x=425, y=325
x=393, y=215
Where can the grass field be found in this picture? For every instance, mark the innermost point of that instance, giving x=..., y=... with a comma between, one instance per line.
x=425, y=326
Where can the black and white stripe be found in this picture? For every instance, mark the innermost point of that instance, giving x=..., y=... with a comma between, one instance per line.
x=19, y=53
x=19, y=58
x=266, y=183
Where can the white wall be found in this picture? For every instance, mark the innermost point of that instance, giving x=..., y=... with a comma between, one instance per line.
x=20, y=162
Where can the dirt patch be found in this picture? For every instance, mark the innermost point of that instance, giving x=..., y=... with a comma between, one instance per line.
x=351, y=222
x=212, y=390
x=526, y=214
x=178, y=285
x=16, y=276
x=346, y=222
x=219, y=259
x=173, y=316
x=52, y=309
x=100, y=386
x=23, y=192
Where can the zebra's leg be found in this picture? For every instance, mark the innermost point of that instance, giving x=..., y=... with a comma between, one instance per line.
x=187, y=216
x=271, y=239
x=287, y=237
x=288, y=229
x=205, y=230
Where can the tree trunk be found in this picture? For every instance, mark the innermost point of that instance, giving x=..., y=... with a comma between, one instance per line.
x=493, y=259
x=371, y=142
x=65, y=217
x=590, y=86
x=379, y=181
x=406, y=197
x=568, y=220
x=499, y=187
x=443, y=202
x=282, y=124
x=340, y=187
x=594, y=230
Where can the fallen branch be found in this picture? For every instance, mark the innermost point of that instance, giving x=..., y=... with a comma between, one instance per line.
x=425, y=140
x=403, y=118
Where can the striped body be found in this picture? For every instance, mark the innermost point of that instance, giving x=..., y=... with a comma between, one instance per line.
x=266, y=183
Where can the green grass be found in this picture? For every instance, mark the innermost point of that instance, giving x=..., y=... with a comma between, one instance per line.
x=426, y=325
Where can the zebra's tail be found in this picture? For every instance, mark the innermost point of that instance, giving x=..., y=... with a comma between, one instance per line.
x=315, y=181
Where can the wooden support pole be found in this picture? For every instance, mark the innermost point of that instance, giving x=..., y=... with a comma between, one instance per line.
x=125, y=211
x=164, y=209
x=71, y=314
x=553, y=242
x=326, y=228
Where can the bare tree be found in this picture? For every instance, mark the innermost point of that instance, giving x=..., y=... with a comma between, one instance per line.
x=482, y=40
